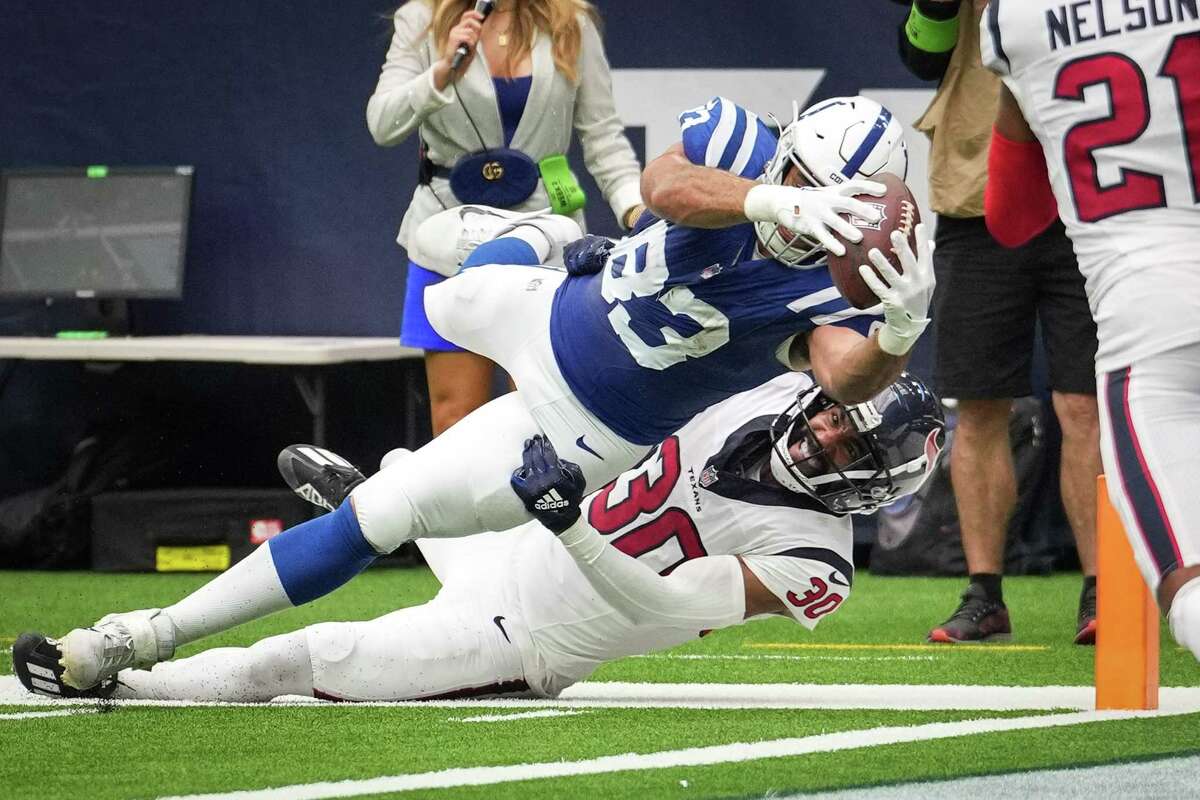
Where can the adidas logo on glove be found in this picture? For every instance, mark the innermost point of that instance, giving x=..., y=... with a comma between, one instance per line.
x=550, y=501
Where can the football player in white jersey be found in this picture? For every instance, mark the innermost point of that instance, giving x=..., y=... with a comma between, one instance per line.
x=607, y=364
x=741, y=514
x=1101, y=113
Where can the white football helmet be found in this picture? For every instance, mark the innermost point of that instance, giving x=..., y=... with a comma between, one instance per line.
x=834, y=141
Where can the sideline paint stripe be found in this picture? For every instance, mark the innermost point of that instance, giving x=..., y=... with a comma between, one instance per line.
x=546, y=712
x=931, y=697
x=66, y=712
x=690, y=757
x=772, y=657
x=941, y=648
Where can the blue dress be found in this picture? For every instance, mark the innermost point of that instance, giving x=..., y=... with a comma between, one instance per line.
x=415, y=330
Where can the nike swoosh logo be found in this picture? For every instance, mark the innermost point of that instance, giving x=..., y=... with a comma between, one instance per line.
x=500, y=624
x=835, y=578
x=582, y=445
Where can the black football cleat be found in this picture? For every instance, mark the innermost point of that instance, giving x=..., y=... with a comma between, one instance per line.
x=977, y=619
x=1085, y=627
x=320, y=476
x=38, y=664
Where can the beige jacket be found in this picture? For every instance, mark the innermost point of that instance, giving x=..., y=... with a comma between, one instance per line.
x=959, y=123
x=405, y=100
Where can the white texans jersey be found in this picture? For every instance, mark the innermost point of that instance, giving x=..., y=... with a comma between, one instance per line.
x=693, y=496
x=1111, y=89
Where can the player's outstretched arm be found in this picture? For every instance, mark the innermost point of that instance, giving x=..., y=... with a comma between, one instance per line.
x=703, y=197
x=853, y=368
x=701, y=594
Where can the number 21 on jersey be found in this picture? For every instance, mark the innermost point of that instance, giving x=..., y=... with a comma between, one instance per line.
x=1125, y=82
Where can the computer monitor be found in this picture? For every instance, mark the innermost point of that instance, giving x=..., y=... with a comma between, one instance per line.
x=94, y=232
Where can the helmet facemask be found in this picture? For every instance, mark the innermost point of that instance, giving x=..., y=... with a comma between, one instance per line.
x=899, y=436
x=780, y=243
x=829, y=143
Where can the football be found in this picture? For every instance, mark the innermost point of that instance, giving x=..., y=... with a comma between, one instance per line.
x=900, y=213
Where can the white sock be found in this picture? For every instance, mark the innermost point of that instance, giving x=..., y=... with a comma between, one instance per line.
x=271, y=668
x=534, y=237
x=248, y=590
x=1185, y=616
x=547, y=235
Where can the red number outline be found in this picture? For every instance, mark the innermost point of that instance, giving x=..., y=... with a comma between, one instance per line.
x=1182, y=65
x=1125, y=83
x=1128, y=120
x=645, y=496
x=674, y=523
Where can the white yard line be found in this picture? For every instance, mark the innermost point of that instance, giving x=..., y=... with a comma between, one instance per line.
x=66, y=712
x=1168, y=777
x=691, y=757
x=769, y=657
x=545, y=712
x=591, y=694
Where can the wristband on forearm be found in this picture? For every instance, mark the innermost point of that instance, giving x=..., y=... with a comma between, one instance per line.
x=932, y=35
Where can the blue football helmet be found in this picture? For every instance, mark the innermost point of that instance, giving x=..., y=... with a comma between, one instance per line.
x=900, y=435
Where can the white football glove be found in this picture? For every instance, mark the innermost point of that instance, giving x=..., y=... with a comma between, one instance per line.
x=814, y=212
x=906, y=296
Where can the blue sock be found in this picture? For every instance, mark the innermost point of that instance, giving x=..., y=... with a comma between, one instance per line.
x=316, y=557
x=505, y=250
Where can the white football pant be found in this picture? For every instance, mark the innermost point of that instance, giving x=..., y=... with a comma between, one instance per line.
x=458, y=484
x=1150, y=442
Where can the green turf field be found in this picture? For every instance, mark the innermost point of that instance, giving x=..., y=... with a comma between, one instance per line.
x=876, y=638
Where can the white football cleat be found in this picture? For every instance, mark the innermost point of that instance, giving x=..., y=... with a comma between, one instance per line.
x=442, y=242
x=118, y=641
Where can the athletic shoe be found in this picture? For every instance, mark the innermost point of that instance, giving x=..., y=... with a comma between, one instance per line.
x=320, y=476
x=37, y=661
x=1085, y=630
x=977, y=619
x=87, y=659
x=443, y=242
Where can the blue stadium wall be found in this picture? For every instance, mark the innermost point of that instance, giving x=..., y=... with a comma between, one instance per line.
x=296, y=208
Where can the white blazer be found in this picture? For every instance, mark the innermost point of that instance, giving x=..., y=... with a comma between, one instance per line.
x=405, y=100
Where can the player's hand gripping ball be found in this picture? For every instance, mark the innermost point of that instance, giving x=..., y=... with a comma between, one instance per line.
x=900, y=213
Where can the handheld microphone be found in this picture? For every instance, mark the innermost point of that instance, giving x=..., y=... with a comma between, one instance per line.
x=484, y=8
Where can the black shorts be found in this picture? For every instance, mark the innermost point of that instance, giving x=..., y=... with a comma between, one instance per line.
x=987, y=302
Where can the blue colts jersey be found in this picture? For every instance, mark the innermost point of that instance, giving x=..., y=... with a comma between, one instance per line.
x=681, y=318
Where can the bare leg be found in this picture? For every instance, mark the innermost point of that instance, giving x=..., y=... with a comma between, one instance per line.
x=459, y=383
x=985, y=484
x=1078, y=417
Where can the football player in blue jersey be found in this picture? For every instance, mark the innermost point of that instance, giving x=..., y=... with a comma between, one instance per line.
x=740, y=514
x=721, y=289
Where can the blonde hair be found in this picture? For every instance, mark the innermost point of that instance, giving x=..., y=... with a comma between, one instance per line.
x=557, y=18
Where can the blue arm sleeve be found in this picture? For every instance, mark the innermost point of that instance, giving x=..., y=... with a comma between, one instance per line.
x=723, y=135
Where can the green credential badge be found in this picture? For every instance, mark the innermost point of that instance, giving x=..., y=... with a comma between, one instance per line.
x=566, y=196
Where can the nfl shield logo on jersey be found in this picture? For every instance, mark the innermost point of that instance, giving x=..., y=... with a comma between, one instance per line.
x=708, y=477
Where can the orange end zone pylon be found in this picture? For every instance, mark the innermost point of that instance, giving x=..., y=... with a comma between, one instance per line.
x=1126, y=618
